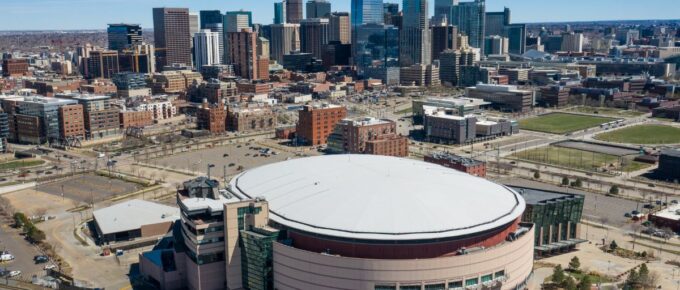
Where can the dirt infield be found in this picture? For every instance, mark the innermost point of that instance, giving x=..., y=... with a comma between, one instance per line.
x=85, y=188
x=598, y=148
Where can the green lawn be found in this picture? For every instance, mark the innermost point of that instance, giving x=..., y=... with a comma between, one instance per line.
x=408, y=110
x=606, y=111
x=20, y=164
x=579, y=159
x=643, y=134
x=562, y=123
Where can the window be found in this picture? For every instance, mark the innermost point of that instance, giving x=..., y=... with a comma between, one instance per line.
x=471, y=282
x=410, y=287
x=439, y=286
x=455, y=285
x=385, y=287
x=487, y=278
x=499, y=274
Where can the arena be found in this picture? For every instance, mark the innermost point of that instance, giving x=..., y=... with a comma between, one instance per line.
x=376, y=222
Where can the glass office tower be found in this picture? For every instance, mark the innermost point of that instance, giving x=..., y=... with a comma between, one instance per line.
x=377, y=52
x=367, y=11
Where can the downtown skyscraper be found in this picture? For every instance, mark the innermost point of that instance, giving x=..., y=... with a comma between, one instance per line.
x=470, y=18
x=367, y=12
x=294, y=11
x=206, y=48
x=415, y=40
x=172, y=36
x=318, y=9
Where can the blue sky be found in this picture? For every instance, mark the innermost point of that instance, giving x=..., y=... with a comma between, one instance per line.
x=95, y=14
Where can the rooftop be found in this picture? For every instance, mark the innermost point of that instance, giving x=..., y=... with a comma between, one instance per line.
x=536, y=196
x=369, y=197
x=132, y=215
x=671, y=213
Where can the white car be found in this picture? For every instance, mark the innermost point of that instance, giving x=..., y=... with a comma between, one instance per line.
x=50, y=267
x=14, y=273
x=6, y=257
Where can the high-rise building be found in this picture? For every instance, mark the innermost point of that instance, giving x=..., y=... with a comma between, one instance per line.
x=234, y=21
x=263, y=50
x=209, y=17
x=280, y=12
x=206, y=48
x=572, y=42
x=194, y=23
x=172, y=36
x=294, y=11
x=318, y=9
x=495, y=44
x=391, y=14
x=496, y=22
x=243, y=53
x=102, y=64
x=517, y=38
x=443, y=37
x=470, y=19
x=376, y=52
x=367, y=12
x=213, y=20
x=314, y=36
x=442, y=9
x=284, y=39
x=123, y=36
x=415, y=38
x=340, y=29
x=451, y=61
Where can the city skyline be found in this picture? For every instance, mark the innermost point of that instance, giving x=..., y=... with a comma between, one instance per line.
x=59, y=14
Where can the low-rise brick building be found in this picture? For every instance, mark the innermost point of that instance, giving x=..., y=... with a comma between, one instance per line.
x=250, y=119
x=72, y=121
x=316, y=123
x=212, y=118
x=137, y=119
x=467, y=165
x=368, y=136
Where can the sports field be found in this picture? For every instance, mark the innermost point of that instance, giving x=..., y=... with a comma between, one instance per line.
x=614, y=112
x=562, y=123
x=643, y=134
x=580, y=159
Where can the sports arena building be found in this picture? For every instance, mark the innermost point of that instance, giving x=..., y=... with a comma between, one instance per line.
x=346, y=222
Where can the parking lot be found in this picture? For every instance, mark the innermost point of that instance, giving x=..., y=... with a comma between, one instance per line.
x=597, y=208
x=86, y=188
x=11, y=241
x=236, y=157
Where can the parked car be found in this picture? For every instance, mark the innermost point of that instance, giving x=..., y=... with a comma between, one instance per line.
x=6, y=257
x=41, y=259
x=50, y=267
x=628, y=215
x=14, y=273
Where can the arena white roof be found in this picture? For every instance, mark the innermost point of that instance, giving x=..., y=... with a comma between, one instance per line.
x=379, y=198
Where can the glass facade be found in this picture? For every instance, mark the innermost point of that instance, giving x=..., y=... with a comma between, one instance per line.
x=367, y=12
x=257, y=259
x=560, y=212
x=470, y=17
x=377, y=51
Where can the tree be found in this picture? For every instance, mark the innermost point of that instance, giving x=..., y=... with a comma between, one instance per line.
x=613, y=246
x=574, y=264
x=537, y=175
x=633, y=279
x=586, y=283
x=569, y=284
x=558, y=275
x=614, y=190
x=565, y=181
x=643, y=275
